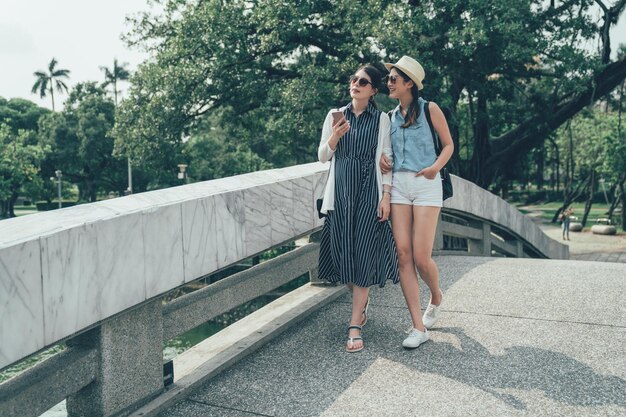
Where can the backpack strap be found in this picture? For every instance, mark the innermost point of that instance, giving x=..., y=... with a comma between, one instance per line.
x=436, y=141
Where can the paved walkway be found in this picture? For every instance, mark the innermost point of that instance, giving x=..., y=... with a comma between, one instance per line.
x=519, y=337
x=586, y=246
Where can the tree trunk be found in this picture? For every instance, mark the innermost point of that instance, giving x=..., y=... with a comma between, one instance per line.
x=11, y=206
x=504, y=189
x=589, y=202
x=90, y=191
x=115, y=89
x=52, y=94
x=617, y=196
x=539, y=160
x=455, y=90
x=481, y=144
x=557, y=163
x=621, y=190
x=569, y=197
x=619, y=111
x=3, y=209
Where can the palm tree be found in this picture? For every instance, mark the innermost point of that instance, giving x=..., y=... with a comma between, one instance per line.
x=119, y=73
x=46, y=81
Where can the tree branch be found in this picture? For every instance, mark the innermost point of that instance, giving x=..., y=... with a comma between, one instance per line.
x=604, y=8
x=508, y=146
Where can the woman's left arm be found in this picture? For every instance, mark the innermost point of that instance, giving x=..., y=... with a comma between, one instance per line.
x=384, y=207
x=442, y=129
x=385, y=131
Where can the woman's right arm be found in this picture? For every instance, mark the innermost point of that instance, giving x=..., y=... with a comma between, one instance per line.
x=324, y=152
x=330, y=137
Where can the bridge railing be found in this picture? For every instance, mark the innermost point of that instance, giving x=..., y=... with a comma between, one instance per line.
x=94, y=276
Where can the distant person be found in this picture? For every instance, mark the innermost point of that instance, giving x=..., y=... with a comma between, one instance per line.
x=356, y=246
x=566, y=219
x=417, y=194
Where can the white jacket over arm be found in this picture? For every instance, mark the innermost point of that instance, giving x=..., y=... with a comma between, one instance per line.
x=325, y=154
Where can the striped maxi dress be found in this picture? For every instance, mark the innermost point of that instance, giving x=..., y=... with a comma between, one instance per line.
x=355, y=247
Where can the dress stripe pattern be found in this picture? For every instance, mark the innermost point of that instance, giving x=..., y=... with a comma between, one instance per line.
x=355, y=247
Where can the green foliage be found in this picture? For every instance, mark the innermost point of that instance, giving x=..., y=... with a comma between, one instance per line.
x=82, y=143
x=211, y=155
x=18, y=114
x=597, y=144
x=268, y=71
x=229, y=56
x=20, y=158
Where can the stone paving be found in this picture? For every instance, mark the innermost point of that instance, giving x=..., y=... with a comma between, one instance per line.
x=586, y=246
x=518, y=337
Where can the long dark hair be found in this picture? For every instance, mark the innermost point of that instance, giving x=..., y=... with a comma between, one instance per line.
x=414, y=108
x=375, y=77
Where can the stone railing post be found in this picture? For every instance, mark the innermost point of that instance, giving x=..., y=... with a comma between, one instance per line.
x=481, y=247
x=130, y=368
x=313, y=271
x=438, y=244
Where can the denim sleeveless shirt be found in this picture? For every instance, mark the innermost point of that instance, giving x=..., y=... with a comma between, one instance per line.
x=413, y=148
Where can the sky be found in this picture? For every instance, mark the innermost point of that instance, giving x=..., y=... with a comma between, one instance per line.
x=82, y=35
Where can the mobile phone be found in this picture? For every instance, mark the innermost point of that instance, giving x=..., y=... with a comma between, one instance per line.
x=337, y=116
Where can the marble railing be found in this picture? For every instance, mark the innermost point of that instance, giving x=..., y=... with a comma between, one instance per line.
x=495, y=225
x=105, y=266
x=63, y=271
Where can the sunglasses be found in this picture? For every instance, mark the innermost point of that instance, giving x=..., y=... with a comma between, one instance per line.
x=361, y=81
x=391, y=79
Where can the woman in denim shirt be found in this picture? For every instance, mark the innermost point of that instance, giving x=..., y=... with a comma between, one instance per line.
x=416, y=194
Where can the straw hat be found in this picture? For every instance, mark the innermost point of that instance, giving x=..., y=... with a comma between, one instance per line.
x=411, y=68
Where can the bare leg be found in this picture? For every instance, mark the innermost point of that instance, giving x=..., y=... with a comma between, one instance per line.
x=424, y=227
x=402, y=225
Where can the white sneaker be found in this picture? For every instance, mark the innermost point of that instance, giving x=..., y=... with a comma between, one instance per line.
x=415, y=338
x=432, y=313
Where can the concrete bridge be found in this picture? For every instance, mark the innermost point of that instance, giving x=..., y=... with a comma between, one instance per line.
x=520, y=336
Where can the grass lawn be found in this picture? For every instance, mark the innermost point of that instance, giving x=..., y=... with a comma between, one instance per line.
x=548, y=210
x=24, y=210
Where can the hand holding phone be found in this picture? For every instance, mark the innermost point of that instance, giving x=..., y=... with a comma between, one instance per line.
x=337, y=116
x=340, y=124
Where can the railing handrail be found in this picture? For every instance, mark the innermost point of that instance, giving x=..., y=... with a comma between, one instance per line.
x=92, y=256
x=488, y=206
x=54, y=261
x=69, y=269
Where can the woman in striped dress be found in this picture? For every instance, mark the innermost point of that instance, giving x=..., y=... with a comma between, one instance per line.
x=357, y=246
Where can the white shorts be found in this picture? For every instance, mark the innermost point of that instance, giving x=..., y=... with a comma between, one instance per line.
x=416, y=191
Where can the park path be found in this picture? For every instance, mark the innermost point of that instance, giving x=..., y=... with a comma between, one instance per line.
x=585, y=246
x=517, y=337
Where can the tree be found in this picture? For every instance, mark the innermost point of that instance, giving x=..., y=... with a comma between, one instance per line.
x=47, y=81
x=20, y=158
x=515, y=71
x=80, y=136
x=18, y=113
x=113, y=76
x=210, y=154
x=596, y=145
